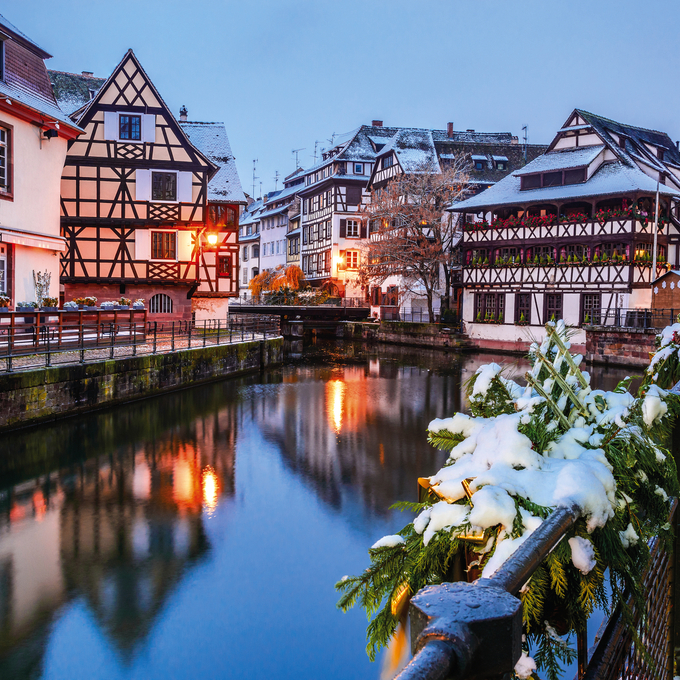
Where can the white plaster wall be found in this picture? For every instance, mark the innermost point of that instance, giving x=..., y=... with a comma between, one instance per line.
x=641, y=298
x=512, y=333
x=210, y=308
x=26, y=260
x=36, y=180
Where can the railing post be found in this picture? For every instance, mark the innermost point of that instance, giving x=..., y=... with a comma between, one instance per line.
x=134, y=338
x=173, y=336
x=189, y=327
x=155, y=336
x=218, y=332
x=49, y=354
x=9, y=348
x=112, y=329
x=204, y=320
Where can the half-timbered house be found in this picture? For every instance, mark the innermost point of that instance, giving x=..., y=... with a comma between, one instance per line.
x=571, y=234
x=218, y=269
x=134, y=197
x=34, y=137
x=484, y=157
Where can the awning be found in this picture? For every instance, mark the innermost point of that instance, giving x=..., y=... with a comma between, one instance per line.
x=32, y=239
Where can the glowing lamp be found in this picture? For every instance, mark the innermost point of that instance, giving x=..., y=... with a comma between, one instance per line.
x=212, y=239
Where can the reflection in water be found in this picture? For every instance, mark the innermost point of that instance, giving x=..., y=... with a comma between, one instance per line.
x=128, y=541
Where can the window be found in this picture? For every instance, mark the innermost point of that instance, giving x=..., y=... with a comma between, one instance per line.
x=256, y=272
x=160, y=304
x=523, y=308
x=163, y=245
x=591, y=308
x=501, y=165
x=530, y=182
x=245, y=275
x=552, y=179
x=245, y=253
x=221, y=215
x=163, y=186
x=130, y=127
x=352, y=259
x=358, y=168
x=553, y=306
x=3, y=270
x=256, y=251
x=576, y=176
x=353, y=228
x=5, y=159
x=479, y=165
x=224, y=266
x=490, y=307
x=388, y=161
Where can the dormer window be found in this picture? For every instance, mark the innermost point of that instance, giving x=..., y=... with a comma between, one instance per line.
x=479, y=162
x=358, y=168
x=555, y=178
x=500, y=162
x=388, y=161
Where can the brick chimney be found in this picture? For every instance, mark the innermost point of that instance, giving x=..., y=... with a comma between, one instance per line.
x=449, y=129
x=469, y=130
x=376, y=123
x=88, y=73
x=183, y=113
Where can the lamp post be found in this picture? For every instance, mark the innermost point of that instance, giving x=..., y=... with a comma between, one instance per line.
x=656, y=231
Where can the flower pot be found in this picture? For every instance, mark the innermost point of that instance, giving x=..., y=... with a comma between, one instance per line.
x=25, y=309
x=86, y=308
x=138, y=309
x=4, y=309
x=122, y=307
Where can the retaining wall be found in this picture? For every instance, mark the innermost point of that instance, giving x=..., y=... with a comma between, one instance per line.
x=630, y=347
x=46, y=394
x=406, y=333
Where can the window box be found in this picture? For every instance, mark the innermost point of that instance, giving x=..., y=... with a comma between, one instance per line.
x=49, y=309
x=26, y=309
x=122, y=307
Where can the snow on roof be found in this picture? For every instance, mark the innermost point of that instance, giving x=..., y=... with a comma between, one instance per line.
x=284, y=193
x=575, y=127
x=269, y=213
x=610, y=179
x=500, y=158
x=561, y=160
x=72, y=90
x=4, y=23
x=211, y=140
x=34, y=101
x=478, y=157
x=415, y=150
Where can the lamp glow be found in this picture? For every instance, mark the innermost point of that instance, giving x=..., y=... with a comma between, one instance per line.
x=212, y=239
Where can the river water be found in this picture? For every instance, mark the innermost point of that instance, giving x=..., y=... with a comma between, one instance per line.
x=199, y=534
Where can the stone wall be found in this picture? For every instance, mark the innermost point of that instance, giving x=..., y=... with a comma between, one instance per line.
x=46, y=394
x=406, y=333
x=629, y=347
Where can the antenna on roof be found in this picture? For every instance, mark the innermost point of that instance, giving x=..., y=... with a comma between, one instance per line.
x=255, y=178
x=260, y=189
x=332, y=139
x=276, y=180
x=525, y=128
x=316, y=144
x=297, y=153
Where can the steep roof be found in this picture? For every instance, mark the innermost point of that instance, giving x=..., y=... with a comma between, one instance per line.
x=73, y=90
x=212, y=140
x=8, y=27
x=563, y=159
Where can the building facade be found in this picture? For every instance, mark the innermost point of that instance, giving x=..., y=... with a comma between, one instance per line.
x=571, y=234
x=34, y=137
x=134, y=203
x=249, y=245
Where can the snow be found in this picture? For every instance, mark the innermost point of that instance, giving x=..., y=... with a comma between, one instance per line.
x=492, y=506
x=561, y=160
x=628, y=537
x=485, y=374
x=582, y=554
x=525, y=666
x=388, y=542
x=444, y=516
x=653, y=406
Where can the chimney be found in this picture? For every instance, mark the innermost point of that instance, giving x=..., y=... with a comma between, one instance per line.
x=469, y=130
x=376, y=123
x=183, y=113
x=88, y=73
x=449, y=129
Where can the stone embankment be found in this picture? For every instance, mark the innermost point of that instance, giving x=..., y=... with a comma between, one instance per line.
x=619, y=347
x=431, y=335
x=29, y=397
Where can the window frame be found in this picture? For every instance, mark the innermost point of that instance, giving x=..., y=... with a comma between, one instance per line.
x=129, y=116
x=519, y=308
x=221, y=259
x=352, y=255
x=165, y=200
x=4, y=269
x=162, y=298
x=8, y=193
x=358, y=168
x=587, y=307
x=172, y=232
x=482, y=305
x=354, y=223
x=548, y=312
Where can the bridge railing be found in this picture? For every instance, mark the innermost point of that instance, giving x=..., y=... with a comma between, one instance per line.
x=348, y=302
x=474, y=630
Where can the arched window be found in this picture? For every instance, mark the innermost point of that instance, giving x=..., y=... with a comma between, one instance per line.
x=256, y=251
x=160, y=304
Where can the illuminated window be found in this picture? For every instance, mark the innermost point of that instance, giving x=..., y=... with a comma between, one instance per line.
x=224, y=266
x=352, y=259
x=130, y=127
x=163, y=186
x=160, y=304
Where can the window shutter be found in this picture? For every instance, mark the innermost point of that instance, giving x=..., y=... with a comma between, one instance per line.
x=110, y=125
x=363, y=229
x=142, y=185
x=184, y=188
x=148, y=127
x=142, y=244
x=343, y=228
x=342, y=260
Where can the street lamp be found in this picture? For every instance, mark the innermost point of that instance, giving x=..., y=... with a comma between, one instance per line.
x=212, y=239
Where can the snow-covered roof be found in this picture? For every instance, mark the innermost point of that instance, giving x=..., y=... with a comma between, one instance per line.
x=270, y=213
x=211, y=139
x=561, y=160
x=251, y=214
x=499, y=158
x=414, y=148
x=73, y=90
x=610, y=179
x=284, y=193
x=478, y=157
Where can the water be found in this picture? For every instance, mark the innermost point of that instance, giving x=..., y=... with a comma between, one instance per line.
x=199, y=534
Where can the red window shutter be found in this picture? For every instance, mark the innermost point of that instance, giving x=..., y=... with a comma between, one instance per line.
x=363, y=229
x=343, y=228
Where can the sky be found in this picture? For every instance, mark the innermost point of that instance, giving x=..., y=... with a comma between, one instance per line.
x=284, y=74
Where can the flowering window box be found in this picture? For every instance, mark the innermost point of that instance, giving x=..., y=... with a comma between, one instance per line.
x=122, y=307
x=49, y=309
x=26, y=309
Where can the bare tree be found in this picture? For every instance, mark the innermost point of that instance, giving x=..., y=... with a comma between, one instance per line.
x=411, y=235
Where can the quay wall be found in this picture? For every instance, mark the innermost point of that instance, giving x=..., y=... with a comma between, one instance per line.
x=406, y=333
x=625, y=347
x=44, y=394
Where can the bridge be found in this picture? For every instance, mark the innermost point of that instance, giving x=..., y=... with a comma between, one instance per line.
x=296, y=318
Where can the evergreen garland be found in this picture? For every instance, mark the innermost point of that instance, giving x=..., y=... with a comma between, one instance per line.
x=626, y=437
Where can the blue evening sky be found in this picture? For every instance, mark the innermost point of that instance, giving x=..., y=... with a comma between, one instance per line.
x=283, y=74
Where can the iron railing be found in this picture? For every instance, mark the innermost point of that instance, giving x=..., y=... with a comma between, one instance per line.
x=25, y=345
x=413, y=315
x=652, y=319
x=474, y=630
x=301, y=302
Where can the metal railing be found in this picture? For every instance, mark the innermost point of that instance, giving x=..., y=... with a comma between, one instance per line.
x=417, y=315
x=653, y=319
x=474, y=630
x=26, y=345
x=301, y=302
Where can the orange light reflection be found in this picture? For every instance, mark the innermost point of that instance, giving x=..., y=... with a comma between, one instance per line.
x=335, y=403
x=210, y=489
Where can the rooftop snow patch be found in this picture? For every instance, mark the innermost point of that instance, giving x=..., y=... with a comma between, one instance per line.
x=562, y=160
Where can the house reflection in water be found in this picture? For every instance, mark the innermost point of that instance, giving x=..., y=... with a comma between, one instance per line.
x=118, y=530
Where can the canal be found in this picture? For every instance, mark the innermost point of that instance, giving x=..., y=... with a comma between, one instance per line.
x=199, y=534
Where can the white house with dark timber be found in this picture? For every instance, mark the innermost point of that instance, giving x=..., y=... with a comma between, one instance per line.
x=571, y=234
